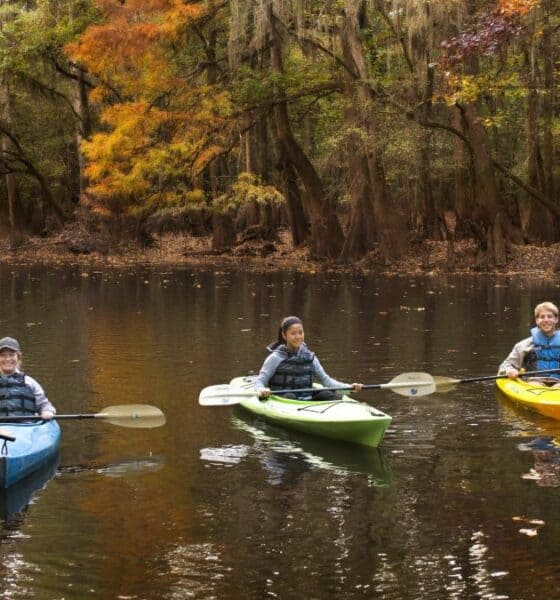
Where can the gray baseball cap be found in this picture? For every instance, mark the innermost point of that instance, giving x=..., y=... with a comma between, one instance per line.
x=10, y=344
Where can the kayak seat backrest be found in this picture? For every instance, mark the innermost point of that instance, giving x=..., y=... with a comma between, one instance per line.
x=4, y=435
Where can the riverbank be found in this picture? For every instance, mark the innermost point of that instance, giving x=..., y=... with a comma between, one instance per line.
x=431, y=258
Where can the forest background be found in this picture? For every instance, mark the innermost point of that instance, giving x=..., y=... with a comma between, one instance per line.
x=347, y=132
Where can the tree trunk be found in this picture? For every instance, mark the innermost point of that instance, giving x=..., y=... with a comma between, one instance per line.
x=6, y=147
x=223, y=227
x=223, y=231
x=84, y=126
x=548, y=109
x=297, y=219
x=361, y=236
x=487, y=215
x=389, y=224
x=326, y=233
x=428, y=212
x=537, y=221
x=463, y=188
x=249, y=215
x=257, y=161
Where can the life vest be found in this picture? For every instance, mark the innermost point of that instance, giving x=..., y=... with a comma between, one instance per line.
x=16, y=397
x=546, y=352
x=295, y=371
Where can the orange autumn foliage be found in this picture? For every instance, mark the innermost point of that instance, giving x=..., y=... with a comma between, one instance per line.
x=162, y=120
x=511, y=8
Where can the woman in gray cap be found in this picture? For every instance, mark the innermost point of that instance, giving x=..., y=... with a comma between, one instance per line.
x=20, y=394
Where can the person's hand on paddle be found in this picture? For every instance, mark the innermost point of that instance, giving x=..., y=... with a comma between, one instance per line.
x=47, y=415
x=513, y=373
x=357, y=387
x=264, y=393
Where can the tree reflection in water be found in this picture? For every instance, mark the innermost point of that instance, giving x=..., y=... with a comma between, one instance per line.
x=546, y=453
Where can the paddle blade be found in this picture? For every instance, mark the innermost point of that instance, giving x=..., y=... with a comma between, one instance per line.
x=412, y=384
x=445, y=384
x=138, y=416
x=222, y=395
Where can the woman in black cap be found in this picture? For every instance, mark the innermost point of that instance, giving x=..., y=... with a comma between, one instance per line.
x=20, y=394
x=291, y=365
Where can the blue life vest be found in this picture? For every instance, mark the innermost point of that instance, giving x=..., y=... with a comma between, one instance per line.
x=546, y=353
x=16, y=397
x=295, y=371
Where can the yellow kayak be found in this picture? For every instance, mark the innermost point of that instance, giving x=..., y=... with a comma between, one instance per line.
x=542, y=399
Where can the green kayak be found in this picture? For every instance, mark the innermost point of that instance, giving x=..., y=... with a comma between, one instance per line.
x=344, y=419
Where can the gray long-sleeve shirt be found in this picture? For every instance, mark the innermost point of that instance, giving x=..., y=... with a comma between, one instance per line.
x=41, y=401
x=516, y=358
x=272, y=362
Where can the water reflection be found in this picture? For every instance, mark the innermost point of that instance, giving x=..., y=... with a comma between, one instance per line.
x=122, y=468
x=281, y=452
x=541, y=437
x=16, y=498
x=225, y=455
x=524, y=422
x=545, y=471
x=196, y=571
x=262, y=512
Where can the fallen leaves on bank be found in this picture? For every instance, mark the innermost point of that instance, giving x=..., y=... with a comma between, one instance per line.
x=175, y=249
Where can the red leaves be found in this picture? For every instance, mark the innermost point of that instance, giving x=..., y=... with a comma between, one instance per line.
x=490, y=32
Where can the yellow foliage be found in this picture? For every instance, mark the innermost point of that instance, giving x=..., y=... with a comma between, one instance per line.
x=467, y=88
x=145, y=156
x=248, y=188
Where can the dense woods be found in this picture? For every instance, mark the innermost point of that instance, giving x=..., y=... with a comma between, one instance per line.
x=360, y=125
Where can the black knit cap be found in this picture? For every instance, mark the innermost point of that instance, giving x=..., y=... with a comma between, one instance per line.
x=286, y=323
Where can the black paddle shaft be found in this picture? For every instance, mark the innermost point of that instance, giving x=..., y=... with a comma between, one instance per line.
x=494, y=377
x=366, y=386
x=310, y=390
x=17, y=418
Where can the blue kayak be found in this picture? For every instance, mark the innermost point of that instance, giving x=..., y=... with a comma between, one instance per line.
x=35, y=443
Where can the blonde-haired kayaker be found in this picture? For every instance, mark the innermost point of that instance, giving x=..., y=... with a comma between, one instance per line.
x=538, y=352
x=20, y=394
x=291, y=365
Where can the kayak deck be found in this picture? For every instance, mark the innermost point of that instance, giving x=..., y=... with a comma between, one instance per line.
x=344, y=419
x=542, y=399
x=35, y=443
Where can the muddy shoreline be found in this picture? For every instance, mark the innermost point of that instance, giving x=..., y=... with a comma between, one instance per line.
x=178, y=250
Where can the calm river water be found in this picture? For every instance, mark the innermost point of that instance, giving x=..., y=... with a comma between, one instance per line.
x=460, y=502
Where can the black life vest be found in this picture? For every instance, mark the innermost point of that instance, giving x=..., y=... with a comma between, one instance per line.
x=295, y=371
x=16, y=397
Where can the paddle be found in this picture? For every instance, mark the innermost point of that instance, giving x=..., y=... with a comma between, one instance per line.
x=405, y=384
x=125, y=415
x=446, y=384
